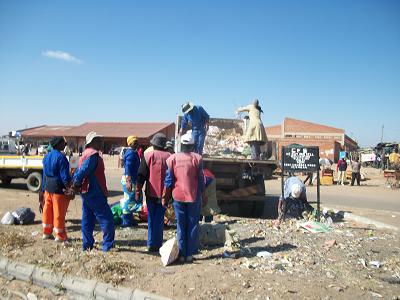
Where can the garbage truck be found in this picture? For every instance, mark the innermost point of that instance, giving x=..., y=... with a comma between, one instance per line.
x=239, y=179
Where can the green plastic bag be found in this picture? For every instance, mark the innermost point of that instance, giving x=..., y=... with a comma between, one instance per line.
x=116, y=210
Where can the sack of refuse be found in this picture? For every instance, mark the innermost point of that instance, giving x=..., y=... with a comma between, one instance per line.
x=24, y=216
x=8, y=219
x=169, y=252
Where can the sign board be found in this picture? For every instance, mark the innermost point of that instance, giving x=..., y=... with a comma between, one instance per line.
x=301, y=159
x=297, y=158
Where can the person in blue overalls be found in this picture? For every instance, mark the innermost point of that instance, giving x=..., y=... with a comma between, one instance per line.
x=90, y=180
x=199, y=119
x=131, y=163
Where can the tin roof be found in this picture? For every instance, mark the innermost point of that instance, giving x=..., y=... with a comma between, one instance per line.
x=117, y=129
x=45, y=131
x=299, y=126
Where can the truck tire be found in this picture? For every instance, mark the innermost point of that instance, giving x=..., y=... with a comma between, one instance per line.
x=6, y=181
x=246, y=208
x=34, y=181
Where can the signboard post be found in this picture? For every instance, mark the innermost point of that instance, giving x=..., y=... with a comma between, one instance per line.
x=301, y=159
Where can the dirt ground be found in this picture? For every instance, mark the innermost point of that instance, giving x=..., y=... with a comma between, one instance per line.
x=303, y=265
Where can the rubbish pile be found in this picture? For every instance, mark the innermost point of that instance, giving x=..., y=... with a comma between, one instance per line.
x=21, y=216
x=226, y=143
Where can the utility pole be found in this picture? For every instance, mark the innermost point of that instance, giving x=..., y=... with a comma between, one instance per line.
x=382, y=134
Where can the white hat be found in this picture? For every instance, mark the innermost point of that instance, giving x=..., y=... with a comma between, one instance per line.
x=90, y=136
x=296, y=190
x=187, y=139
x=187, y=107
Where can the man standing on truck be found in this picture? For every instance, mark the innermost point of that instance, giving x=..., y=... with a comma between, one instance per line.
x=294, y=201
x=255, y=134
x=53, y=201
x=90, y=180
x=199, y=119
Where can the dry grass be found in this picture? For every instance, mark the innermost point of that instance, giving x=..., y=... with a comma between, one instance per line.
x=14, y=240
x=114, y=272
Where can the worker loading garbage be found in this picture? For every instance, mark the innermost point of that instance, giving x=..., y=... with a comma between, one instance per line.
x=255, y=134
x=199, y=119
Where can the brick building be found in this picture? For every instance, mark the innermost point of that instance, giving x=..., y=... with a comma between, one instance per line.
x=330, y=140
x=115, y=133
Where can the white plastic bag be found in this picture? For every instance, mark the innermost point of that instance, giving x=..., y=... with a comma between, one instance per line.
x=169, y=252
x=8, y=219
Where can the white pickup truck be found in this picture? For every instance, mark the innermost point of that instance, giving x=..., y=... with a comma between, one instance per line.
x=28, y=167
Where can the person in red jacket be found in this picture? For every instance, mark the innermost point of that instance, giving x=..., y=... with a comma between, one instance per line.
x=341, y=168
x=185, y=183
x=152, y=171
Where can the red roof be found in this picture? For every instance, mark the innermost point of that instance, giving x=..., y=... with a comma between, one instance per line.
x=45, y=131
x=293, y=125
x=118, y=129
x=273, y=130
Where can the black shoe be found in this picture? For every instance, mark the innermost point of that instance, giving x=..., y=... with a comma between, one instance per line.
x=153, y=249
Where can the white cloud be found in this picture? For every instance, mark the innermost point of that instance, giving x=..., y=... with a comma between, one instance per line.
x=62, y=55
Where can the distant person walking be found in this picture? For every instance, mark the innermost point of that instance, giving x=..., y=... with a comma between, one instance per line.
x=80, y=150
x=355, y=171
x=199, y=119
x=255, y=134
x=341, y=168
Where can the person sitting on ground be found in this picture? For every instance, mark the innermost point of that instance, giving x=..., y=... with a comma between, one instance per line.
x=294, y=201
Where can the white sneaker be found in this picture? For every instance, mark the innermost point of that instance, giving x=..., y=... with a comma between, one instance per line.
x=47, y=237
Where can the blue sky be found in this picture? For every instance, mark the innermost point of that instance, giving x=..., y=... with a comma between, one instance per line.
x=330, y=62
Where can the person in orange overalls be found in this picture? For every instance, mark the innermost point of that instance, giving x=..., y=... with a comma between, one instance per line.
x=53, y=197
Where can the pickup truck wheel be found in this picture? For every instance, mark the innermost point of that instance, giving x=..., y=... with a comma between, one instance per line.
x=246, y=208
x=34, y=181
x=6, y=181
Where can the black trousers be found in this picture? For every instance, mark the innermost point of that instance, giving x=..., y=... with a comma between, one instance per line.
x=355, y=176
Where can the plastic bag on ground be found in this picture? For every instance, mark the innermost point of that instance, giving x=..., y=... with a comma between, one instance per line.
x=8, y=219
x=24, y=216
x=169, y=252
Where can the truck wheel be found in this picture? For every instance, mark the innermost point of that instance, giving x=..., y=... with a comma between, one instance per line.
x=6, y=181
x=34, y=181
x=246, y=208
